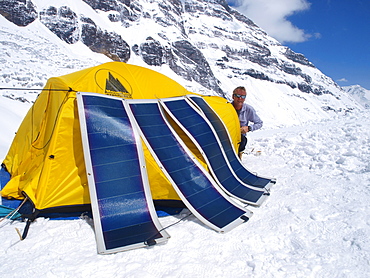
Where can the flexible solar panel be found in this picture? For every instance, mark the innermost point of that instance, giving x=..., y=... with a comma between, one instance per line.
x=241, y=172
x=202, y=134
x=191, y=181
x=123, y=211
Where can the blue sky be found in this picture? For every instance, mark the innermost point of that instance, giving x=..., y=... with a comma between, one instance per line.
x=332, y=34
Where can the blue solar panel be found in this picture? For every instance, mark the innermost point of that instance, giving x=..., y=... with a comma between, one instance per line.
x=194, y=185
x=201, y=132
x=124, y=216
x=242, y=173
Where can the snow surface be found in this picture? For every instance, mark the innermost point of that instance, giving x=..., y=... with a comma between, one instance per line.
x=360, y=94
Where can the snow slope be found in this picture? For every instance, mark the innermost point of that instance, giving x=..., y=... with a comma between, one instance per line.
x=360, y=94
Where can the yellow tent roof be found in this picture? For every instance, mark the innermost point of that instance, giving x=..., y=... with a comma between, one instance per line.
x=46, y=160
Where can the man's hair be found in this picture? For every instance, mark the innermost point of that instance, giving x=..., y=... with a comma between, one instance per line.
x=240, y=88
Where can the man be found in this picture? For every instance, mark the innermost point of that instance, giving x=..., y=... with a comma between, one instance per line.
x=249, y=120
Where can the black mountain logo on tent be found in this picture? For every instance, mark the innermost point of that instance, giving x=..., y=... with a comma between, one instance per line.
x=114, y=87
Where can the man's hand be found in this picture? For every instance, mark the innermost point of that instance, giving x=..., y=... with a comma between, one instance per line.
x=244, y=129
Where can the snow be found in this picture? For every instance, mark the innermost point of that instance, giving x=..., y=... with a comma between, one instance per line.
x=359, y=93
x=314, y=224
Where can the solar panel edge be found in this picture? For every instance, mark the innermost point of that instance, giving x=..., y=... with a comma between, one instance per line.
x=178, y=191
x=257, y=184
x=152, y=211
x=93, y=197
x=194, y=211
x=241, y=220
x=205, y=114
x=99, y=234
x=203, y=151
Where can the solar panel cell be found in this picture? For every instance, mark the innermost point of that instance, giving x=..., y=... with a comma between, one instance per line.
x=244, y=174
x=196, y=126
x=194, y=185
x=124, y=216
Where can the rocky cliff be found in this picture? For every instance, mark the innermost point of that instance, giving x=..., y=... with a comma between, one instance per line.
x=201, y=41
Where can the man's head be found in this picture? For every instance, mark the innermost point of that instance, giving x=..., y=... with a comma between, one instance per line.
x=239, y=95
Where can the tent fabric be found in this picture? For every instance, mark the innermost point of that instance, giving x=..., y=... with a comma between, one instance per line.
x=6, y=211
x=46, y=161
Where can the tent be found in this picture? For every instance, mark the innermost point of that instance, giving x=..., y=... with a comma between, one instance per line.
x=45, y=160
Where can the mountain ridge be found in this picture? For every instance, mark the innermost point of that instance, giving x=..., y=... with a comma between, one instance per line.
x=360, y=94
x=207, y=46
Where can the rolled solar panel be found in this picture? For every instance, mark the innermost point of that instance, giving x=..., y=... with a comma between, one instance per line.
x=203, y=135
x=238, y=168
x=192, y=182
x=123, y=210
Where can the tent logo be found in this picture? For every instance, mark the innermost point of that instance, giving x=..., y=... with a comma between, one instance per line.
x=114, y=87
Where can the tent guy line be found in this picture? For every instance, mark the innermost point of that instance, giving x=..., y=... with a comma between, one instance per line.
x=38, y=89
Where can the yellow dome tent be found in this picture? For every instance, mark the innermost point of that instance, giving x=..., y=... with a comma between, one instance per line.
x=46, y=161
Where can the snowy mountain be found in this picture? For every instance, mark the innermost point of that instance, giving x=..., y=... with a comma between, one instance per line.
x=314, y=224
x=206, y=46
x=359, y=93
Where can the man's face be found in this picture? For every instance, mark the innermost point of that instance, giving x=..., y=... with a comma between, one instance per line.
x=239, y=99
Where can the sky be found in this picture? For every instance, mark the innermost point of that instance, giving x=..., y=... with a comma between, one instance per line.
x=334, y=35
